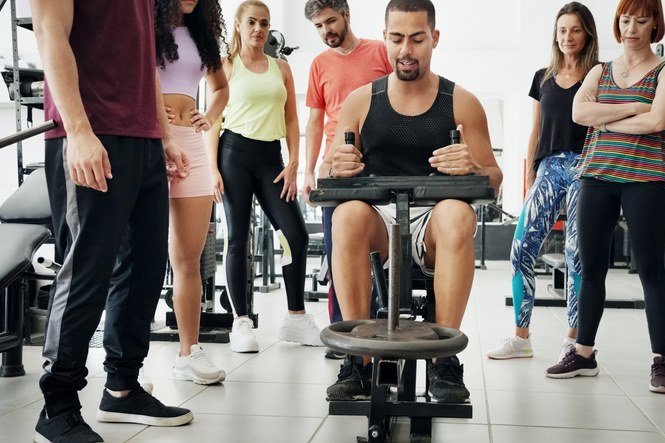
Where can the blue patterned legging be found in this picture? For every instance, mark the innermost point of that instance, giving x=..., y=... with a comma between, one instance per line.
x=555, y=181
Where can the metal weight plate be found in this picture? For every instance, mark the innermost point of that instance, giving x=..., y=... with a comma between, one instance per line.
x=411, y=340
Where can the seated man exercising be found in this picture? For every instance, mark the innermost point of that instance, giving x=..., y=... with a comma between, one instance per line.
x=404, y=121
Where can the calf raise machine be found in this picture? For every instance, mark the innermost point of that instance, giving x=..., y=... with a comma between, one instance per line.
x=396, y=344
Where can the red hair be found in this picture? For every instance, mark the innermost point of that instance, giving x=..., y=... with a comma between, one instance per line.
x=650, y=8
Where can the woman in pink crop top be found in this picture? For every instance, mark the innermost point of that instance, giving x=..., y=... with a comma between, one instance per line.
x=188, y=35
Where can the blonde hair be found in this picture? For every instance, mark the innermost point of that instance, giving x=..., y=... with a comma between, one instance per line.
x=236, y=44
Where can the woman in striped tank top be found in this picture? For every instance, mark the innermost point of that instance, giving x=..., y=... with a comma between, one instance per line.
x=623, y=168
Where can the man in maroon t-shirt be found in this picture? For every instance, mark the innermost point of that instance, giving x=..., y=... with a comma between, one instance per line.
x=106, y=175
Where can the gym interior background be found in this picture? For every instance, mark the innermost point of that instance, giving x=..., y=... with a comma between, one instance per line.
x=492, y=48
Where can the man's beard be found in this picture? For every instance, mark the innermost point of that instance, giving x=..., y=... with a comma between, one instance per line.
x=407, y=76
x=340, y=37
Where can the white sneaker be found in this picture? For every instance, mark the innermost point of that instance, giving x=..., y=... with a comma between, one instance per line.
x=242, y=336
x=197, y=367
x=300, y=328
x=568, y=344
x=512, y=347
x=145, y=382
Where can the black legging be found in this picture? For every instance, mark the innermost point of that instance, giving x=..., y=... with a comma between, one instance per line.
x=643, y=206
x=249, y=168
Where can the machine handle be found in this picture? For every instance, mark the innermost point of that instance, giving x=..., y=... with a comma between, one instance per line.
x=349, y=138
x=454, y=137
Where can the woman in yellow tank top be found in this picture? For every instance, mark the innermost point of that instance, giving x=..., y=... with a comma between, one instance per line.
x=260, y=112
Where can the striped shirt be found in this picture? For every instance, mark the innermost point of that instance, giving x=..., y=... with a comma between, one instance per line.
x=617, y=157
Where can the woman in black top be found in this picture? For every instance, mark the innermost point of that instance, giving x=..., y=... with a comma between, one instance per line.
x=554, y=147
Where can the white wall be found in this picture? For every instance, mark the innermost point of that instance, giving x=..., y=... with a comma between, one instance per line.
x=491, y=47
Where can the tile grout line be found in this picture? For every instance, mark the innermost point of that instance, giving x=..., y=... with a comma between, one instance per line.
x=482, y=368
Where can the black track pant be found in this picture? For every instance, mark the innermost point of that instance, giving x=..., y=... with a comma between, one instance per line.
x=249, y=168
x=89, y=226
x=598, y=210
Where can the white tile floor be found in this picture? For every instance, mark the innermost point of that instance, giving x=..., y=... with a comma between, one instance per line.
x=278, y=395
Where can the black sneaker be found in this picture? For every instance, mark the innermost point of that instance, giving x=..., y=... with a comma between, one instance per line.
x=68, y=427
x=573, y=365
x=446, y=380
x=658, y=375
x=354, y=381
x=334, y=355
x=141, y=407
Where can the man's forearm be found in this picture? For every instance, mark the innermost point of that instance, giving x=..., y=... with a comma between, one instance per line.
x=313, y=137
x=495, y=176
x=62, y=76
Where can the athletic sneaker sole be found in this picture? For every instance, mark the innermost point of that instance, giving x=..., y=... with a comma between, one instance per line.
x=252, y=349
x=351, y=398
x=245, y=350
x=510, y=356
x=578, y=373
x=119, y=417
x=184, y=375
x=39, y=438
x=450, y=398
x=657, y=390
x=300, y=340
x=334, y=355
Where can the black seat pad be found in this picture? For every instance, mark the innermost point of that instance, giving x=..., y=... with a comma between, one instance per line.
x=19, y=243
x=29, y=203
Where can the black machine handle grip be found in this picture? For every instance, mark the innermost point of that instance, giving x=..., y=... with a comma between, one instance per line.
x=454, y=137
x=349, y=138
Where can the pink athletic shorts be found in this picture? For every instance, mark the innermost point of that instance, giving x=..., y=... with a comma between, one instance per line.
x=199, y=181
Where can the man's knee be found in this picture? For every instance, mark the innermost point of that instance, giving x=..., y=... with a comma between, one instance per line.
x=351, y=221
x=452, y=221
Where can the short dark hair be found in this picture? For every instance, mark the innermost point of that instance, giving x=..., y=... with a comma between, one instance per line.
x=313, y=7
x=413, y=6
x=651, y=7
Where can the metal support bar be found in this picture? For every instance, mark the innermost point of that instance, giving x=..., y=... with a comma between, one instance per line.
x=17, y=90
x=483, y=211
x=394, y=278
x=403, y=220
x=26, y=133
x=380, y=285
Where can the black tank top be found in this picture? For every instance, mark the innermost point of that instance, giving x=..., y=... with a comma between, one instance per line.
x=396, y=144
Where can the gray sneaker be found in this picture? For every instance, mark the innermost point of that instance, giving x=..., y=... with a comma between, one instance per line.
x=658, y=375
x=573, y=365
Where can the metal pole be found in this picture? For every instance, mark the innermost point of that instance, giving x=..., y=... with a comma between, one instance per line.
x=27, y=133
x=482, y=236
x=394, y=277
x=17, y=90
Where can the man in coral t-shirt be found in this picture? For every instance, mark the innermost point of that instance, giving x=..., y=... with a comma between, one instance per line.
x=350, y=63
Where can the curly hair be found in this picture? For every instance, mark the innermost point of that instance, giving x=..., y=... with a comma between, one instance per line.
x=205, y=24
